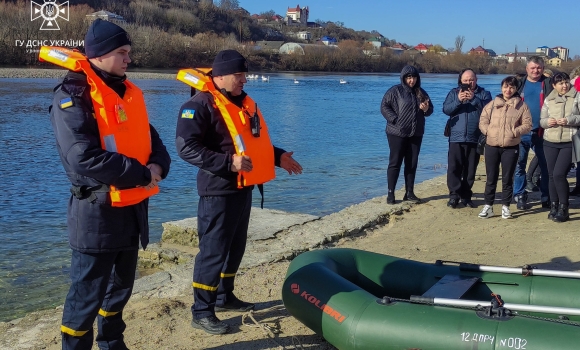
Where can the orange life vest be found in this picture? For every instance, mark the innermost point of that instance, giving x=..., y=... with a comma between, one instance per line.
x=123, y=123
x=239, y=122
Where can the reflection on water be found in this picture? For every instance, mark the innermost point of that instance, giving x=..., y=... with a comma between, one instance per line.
x=335, y=130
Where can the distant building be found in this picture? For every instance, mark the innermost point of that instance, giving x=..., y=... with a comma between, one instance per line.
x=546, y=51
x=304, y=35
x=376, y=42
x=400, y=46
x=478, y=51
x=555, y=62
x=298, y=15
x=562, y=52
x=107, y=16
x=523, y=56
x=422, y=48
x=327, y=40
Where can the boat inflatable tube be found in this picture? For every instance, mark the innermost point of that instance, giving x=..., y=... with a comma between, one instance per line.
x=361, y=300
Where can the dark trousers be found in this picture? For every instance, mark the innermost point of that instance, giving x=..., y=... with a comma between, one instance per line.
x=508, y=158
x=101, y=287
x=535, y=142
x=462, y=161
x=403, y=149
x=222, y=224
x=558, y=161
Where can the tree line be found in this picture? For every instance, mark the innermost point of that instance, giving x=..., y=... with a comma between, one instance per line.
x=178, y=33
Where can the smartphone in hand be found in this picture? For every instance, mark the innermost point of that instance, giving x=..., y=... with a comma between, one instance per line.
x=464, y=87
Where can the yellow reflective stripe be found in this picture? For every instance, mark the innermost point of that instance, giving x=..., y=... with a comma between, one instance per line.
x=203, y=286
x=107, y=313
x=69, y=331
x=226, y=275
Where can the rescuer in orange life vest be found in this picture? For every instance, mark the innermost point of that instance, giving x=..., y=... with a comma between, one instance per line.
x=221, y=131
x=114, y=160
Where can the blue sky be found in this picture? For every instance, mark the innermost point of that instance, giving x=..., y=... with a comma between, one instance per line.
x=503, y=24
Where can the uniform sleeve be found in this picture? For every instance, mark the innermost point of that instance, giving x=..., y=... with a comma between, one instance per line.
x=389, y=106
x=193, y=122
x=278, y=152
x=452, y=103
x=159, y=154
x=78, y=139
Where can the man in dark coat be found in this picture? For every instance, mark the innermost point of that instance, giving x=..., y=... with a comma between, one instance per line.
x=104, y=239
x=463, y=105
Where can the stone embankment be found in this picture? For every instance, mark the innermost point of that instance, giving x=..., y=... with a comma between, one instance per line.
x=20, y=73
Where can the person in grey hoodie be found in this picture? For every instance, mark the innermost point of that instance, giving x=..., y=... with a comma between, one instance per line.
x=405, y=107
x=463, y=105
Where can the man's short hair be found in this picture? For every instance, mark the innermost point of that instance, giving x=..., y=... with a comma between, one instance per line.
x=537, y=60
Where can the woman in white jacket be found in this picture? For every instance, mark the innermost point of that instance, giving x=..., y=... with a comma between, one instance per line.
x=560, y=118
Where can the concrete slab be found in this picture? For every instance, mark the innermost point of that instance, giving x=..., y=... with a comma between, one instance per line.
x=264, y=224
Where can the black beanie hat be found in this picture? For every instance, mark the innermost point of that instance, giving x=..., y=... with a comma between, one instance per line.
x=228, y=62
x=104, y=37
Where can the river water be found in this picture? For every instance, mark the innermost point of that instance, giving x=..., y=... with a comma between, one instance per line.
x=335, y=130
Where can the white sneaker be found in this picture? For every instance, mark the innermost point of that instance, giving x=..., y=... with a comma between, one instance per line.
x=486, y=212
x=505, y=212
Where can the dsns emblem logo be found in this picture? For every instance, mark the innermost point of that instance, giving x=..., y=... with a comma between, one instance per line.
x=49, y=11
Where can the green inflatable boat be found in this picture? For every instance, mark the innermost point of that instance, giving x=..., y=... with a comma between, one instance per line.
x=362, y=300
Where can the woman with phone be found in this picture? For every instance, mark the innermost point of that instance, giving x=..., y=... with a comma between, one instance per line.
x=560, y=118
x=503, y=120
x=405, y=107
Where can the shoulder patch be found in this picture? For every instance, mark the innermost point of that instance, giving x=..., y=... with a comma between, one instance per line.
x=188, y=113
x=66, y=103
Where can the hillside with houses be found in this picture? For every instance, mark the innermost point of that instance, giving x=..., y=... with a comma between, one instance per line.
x=282, y=39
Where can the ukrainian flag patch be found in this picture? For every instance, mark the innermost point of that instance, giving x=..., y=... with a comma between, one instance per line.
x=66, y=103
x=188, y=113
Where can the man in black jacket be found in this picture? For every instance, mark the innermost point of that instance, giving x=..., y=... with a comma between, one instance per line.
x=104, y=239
x=463, y=105
x=204, y=140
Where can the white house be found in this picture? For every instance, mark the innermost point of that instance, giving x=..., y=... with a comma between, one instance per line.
x=297, y=14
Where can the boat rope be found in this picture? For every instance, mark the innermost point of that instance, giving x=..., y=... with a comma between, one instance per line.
x=270, y=329
x=481, y=308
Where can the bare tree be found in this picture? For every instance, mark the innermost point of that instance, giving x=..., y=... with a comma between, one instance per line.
x=229, y=4
x=459, y=40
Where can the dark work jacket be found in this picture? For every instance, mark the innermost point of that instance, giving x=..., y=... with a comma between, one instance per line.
x=464, y=116
x=94, y=226
x=400, y=107
x=204, y=141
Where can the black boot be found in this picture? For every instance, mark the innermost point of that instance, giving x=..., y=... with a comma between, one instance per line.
x=553, y=210
x=410, y=196
x=391, y=197
x=562, y=215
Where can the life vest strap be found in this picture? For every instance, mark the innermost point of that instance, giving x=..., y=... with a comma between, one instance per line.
x=261, y=189
x=88, y=192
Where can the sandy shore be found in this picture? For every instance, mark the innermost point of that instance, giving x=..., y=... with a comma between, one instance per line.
x=59, y=73
x=423, y=232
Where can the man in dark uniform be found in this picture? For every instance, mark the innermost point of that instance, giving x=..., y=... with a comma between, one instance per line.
x=203, y=139
x=104, y=239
